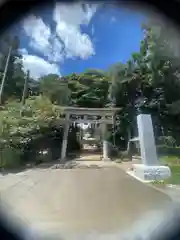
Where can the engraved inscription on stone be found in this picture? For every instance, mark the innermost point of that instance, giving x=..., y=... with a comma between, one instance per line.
x=156, y=173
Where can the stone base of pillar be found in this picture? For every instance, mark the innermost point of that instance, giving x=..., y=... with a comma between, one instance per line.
x=106, y=159
x=105, y=150
x=63, y=160
x=151, y=173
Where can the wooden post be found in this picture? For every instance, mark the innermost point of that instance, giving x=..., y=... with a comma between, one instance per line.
x=25, y=89
x=5, y=72
x=24, y=95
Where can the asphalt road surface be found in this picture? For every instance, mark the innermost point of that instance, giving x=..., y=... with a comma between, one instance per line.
x=79, y=200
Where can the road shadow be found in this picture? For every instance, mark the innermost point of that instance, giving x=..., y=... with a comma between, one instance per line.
x=38, y=165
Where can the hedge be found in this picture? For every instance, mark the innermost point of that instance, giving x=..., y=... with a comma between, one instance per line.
x=166, y=150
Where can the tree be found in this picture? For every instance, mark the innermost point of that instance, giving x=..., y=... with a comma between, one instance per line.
x=9, y=57
x=91, y=89
x=55, y=88
x=148, y=82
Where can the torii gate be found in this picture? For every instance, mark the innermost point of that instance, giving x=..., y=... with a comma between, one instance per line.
x=101, y=116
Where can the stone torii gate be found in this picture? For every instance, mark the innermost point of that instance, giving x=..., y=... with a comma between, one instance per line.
x=73, y=115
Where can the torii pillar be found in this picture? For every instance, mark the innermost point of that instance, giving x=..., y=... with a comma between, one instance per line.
x=65, y=138
x=105, y=142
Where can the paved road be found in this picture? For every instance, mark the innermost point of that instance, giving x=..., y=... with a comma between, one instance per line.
x=79, y=200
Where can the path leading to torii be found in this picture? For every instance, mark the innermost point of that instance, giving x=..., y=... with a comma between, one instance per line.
x=105, y=199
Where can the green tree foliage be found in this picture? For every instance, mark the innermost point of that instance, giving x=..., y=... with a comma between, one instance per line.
x=149, y=83
x=89, y=89
x=55, y=88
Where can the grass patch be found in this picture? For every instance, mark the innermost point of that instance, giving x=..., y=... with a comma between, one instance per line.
x=174, y=163
x=158, y=182
x=170, y=160
x=175, y=175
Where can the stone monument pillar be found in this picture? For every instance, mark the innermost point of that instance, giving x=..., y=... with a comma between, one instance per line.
x=150, y=169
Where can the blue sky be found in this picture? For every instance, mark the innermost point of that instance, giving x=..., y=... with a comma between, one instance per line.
x=66, y=39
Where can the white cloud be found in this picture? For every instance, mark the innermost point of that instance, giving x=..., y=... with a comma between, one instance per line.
x=65, y=41
x=74, y=14
x=41, y=38
x=38, y=31
x=23, y=51
x=38, y=66
x=68, y=20
x=76, y=43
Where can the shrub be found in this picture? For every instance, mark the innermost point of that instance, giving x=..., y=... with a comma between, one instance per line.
x=167, y=141
x=166, y=150
x=27, y=134
x=10, y=157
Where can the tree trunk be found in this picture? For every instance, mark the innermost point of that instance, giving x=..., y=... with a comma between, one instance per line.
x=4, y=74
